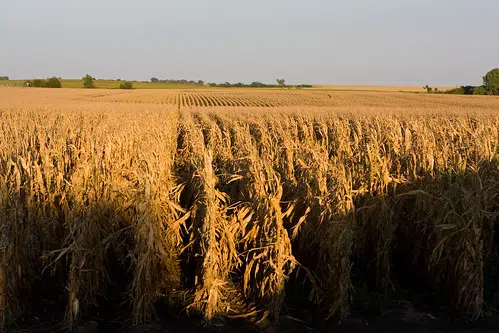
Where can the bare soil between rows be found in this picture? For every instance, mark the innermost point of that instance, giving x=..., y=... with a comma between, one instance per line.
x=404, y=318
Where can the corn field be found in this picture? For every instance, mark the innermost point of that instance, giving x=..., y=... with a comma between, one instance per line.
x=227, y=203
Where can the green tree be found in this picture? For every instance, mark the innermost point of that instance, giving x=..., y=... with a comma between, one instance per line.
x=456, y=91
x=480, y=91
x=38, y=83
x=281, y=82
x=154, y=80
x=88, y=82
x=126, y=85
x=491, y=81
x=53, y=82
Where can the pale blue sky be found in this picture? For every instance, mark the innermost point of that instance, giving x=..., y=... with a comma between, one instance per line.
x=444, y=42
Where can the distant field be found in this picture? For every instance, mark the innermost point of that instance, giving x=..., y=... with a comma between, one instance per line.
x=114, y=84
x=340, y=100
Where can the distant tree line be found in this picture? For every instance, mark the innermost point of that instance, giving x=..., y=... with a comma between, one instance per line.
x=52, y=82
x=182, y=81
x=490, y=86
x=4, y=78
x=280, y=83
x=256, y=84
x=88, y=82
x=468, y=90
x=430, y=89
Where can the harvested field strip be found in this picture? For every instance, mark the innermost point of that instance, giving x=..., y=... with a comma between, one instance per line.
x=234, y=101
x=187, y=99
x=197, y=100
x=211, y=100
x=251, y=102
x=205, y=100
x=179, y=99
x=191, y=100
x=219, y=98
x=222, y=100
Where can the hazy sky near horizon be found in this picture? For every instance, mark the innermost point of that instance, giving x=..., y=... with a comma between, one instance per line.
x=391, y=42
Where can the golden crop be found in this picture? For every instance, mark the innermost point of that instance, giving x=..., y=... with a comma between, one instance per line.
x=222, y=201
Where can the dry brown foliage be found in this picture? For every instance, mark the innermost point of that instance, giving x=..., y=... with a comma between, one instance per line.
x=213, y=200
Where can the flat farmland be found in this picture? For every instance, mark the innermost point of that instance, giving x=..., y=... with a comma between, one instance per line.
x=252, y=205
x=265, y=98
